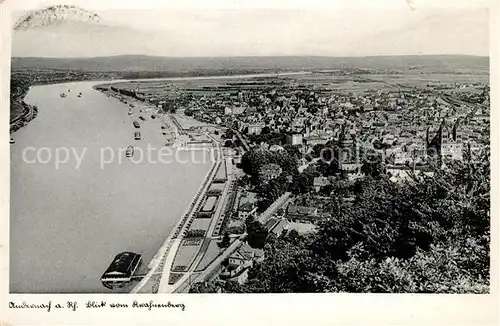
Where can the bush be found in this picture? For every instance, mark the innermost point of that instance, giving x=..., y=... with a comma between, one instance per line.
x=195, y=233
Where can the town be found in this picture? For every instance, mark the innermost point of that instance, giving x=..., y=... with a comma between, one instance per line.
x=292, y=143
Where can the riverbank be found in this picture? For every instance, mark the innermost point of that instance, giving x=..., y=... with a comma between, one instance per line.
x=21, y=112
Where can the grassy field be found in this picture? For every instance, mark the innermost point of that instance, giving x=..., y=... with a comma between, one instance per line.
x=200, y=224
x=185, y=256
x=329, y=81
x=174, y=277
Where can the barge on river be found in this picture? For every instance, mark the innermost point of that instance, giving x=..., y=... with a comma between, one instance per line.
x=121, y=270
x=130, y=151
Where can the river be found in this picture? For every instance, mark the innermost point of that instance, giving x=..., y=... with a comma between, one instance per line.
x=68, y=221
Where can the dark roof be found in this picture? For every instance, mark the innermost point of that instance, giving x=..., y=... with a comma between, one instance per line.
x=270, y=223
x=279, y=227
x=301, y=210
x=123, y=263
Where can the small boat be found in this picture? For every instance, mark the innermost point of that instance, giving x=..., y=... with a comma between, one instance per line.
x=163, y=127
x=130, y=151
x=153, y=116
x=63, y=94
x=137, y=135
x=142, y=118
x=80, y=94
x=121, y=270
x=12, y=141
x=69, y=90
x=131, y=105
x=136, y=124
x=129, y=111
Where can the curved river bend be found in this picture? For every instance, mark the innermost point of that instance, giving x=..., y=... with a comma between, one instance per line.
x=68, y=222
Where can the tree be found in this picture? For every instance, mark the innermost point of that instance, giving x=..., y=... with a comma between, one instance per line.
x=373, y=166
x=430, y=234
x=233, y=287
x=204, y=287
x=257, y=233
x=229, y=134
x=265, y=130
x=286, y=268
x=226, y=240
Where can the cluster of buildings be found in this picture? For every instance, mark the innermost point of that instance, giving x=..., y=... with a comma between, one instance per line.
x=404, y=124
x=413, y=130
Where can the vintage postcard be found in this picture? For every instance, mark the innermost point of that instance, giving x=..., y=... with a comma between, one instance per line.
x=234, y=163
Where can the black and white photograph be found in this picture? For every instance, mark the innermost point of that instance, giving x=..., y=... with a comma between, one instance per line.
x=249, y=151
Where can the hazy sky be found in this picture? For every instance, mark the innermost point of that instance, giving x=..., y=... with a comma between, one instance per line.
x=240, y=32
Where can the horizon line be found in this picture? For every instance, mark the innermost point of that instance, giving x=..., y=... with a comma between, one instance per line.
x=258, y=56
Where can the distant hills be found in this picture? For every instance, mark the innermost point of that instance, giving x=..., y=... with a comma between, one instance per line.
x=136, y=63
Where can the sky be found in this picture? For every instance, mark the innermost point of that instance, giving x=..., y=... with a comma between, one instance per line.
x=259, y=32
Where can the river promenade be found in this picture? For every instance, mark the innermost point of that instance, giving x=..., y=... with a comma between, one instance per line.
x=159, y=267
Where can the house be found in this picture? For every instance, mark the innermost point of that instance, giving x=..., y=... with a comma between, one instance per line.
x=246, y=209
x=254, y=129
x=276, y=148
x=240, y=263
x=296, y=213
x=277, y=226
x=320, y=182
x=294, y=139
x=398, y=173
x=315, y=140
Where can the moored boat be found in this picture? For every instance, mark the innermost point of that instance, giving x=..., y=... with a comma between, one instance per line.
x=121, y=270
x=136, y=124
x=12, y=141
x=137, y=135
x=142, y=118
x=63, y=94
x=129, y=111
x=130, y=151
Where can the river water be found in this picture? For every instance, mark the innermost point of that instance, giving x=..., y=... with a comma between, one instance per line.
x=69, y=221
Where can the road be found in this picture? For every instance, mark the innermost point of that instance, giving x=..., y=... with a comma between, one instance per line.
x=243, y=141
x=277, y=204
x=203, y=276
x=184, y=284
x=164, y=286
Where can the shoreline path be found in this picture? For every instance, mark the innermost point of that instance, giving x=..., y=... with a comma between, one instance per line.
x=162, y=261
